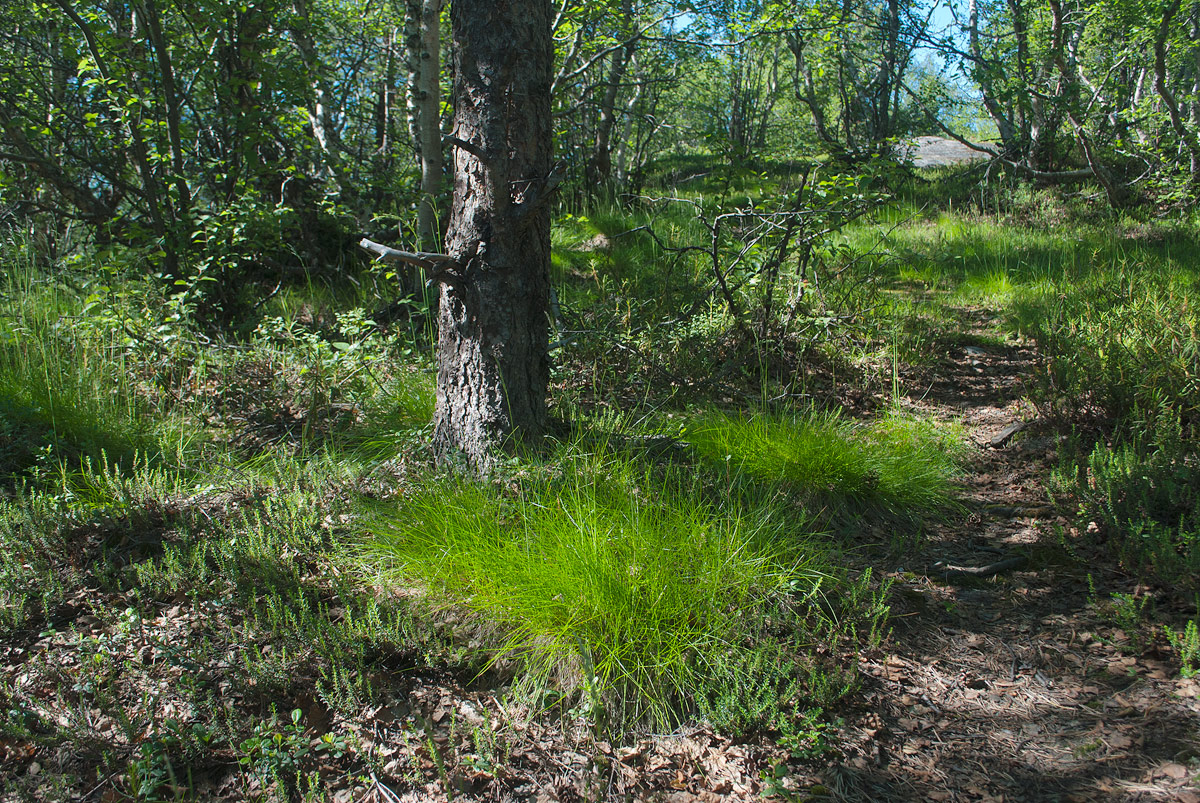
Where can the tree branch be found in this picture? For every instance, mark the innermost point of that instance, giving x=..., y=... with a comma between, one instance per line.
x=422, y=259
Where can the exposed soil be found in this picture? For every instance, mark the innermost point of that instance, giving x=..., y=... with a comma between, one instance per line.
x=1020, y=686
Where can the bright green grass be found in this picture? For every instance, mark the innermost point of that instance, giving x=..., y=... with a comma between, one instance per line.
x=896, y=465
x=606, y=576
x=1113, y=308
x=66, y=386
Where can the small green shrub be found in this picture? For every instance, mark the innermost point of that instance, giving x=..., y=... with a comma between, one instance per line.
x=1120, y=344
x=1187, y=645
x=1142, y=499
x=276, y=751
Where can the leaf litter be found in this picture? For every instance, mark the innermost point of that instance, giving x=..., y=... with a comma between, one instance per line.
x=1013, y=687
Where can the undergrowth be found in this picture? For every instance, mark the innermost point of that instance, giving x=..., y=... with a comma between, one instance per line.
x=895, y=465
x=201, y=536
x=632, y=588
x=1111, y=308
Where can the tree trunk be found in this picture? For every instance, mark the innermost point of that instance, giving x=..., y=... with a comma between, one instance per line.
x=622, y=155
x=1162, y=86
x=806, y=91
x=427, y=100
x=599, y=167
x=982, y=76
x=492, y=326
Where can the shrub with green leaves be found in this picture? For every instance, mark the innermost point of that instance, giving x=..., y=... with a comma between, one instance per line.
x=1124, y=346
x=1142, y=500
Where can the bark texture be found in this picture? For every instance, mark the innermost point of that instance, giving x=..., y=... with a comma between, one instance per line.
x=492, y=324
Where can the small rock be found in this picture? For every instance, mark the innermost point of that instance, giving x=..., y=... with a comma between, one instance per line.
x=1006, y=435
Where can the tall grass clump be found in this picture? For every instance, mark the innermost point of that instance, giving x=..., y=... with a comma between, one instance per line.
x=65, y=384
x=897, y=466
x=624, y=583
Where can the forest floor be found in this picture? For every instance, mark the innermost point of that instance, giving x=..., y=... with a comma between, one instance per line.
x=1030, y=684
x=1046, y=681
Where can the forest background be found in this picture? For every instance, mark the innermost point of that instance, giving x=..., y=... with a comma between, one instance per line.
x=782, y=358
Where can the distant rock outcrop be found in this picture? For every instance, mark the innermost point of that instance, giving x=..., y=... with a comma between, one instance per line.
x=937, y=152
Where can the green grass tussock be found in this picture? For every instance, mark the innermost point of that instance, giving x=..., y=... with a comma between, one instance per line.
x=624, y=584
x=895, y=465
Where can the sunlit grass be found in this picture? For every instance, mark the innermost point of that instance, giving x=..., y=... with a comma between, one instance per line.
x=66, y=377
x=895, y=465
x=614, y=578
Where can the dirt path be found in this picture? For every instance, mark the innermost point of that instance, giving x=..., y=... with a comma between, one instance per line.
x=1018, y=687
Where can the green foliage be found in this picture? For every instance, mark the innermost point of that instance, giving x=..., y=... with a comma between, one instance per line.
x=899, y=466
x=65, y=386
x=624, y=584
x=276, y=750
x=1126, y=345
x=1140, y=499
x=1187, y=645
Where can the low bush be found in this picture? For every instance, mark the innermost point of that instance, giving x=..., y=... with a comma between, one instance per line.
x=1141, y=499
x=1127, y=345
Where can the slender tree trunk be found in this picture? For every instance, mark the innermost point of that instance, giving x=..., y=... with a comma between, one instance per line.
x=162, y=53
x=320, y=111
x=427, y=90
x=158, y=203
x=492, y=325
x=1114, y=187
x=385, y=96
x=806, y=91
x=599, y=167
x=1162, y=86
x=1004, y=125
x=621, y=174
x=888, y=74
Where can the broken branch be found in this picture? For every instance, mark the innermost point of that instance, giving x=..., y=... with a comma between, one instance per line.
x=422, y=259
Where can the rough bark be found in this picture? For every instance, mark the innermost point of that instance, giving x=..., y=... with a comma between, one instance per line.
x=492, y=325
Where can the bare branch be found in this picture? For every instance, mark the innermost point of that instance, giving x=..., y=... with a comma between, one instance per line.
x=421, y=259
